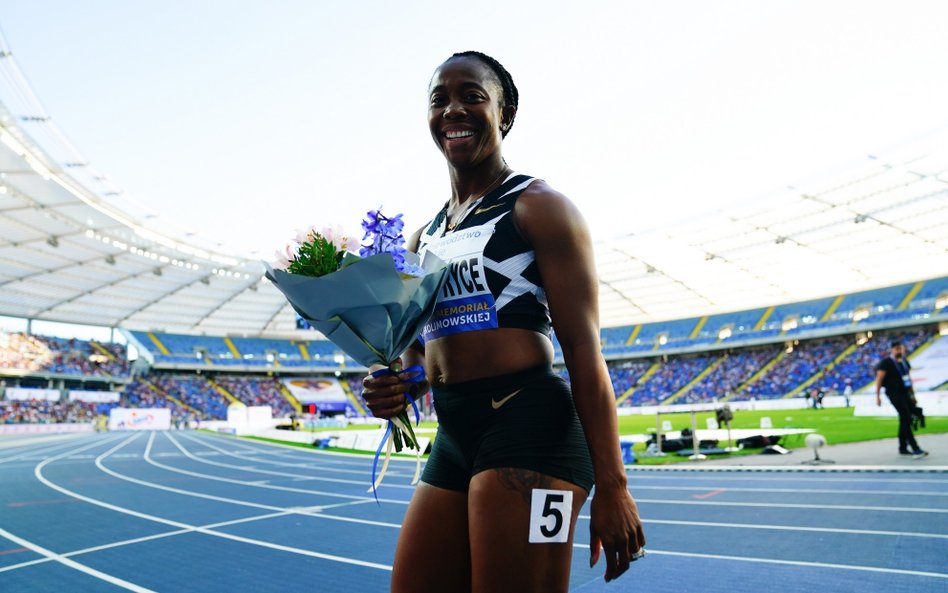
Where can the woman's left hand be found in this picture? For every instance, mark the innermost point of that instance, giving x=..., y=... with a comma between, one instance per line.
x=615, y=524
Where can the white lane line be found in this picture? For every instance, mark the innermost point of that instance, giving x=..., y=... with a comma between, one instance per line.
x=363, y=483
x=789, y=528
x=41, y=451
x=672, y=473
x=396, y=526
x=284, y=450
x=788, y=505
x=53, y=556
x=146, y=538
x=789, y=490
x=188, y=454
x=312, y=464
x=804, y=563
x=294, y=510
x=38, y=472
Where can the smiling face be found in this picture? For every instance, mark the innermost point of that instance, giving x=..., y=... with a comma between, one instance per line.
x=466, y=111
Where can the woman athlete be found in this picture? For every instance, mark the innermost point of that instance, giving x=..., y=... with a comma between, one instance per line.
x=514, y=457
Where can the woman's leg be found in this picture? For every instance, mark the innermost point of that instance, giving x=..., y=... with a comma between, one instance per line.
x=502, y=557
x=433, y=554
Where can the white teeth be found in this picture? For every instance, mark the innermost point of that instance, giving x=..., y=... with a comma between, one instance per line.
x=458, y=134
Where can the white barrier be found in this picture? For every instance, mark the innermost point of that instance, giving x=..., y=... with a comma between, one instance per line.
x=933, y=403
x=95, y=397
x=140, y=419
x=31, y=393
x=793, y=403
x=243, y=419
x=45, y=428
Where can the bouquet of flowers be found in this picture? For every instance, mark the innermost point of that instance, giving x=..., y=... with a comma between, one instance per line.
x=372, y=305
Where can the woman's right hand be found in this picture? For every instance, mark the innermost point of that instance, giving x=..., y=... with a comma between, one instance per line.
x=384, y=395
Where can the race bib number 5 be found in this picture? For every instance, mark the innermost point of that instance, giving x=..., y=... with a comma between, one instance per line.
x=550, y=514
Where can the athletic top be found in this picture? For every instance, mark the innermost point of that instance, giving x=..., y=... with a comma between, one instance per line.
x=493, y=281
x=897, y=381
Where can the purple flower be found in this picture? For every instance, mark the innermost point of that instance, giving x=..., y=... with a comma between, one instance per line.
x=384, y=235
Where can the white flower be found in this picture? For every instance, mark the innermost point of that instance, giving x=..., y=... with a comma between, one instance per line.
x=336, y=235
x=305, y=235
x=283, y=257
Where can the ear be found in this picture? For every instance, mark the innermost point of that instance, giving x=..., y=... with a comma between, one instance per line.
x=507, y=115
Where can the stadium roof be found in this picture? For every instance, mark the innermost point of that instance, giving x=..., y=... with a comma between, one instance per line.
x=74, y=250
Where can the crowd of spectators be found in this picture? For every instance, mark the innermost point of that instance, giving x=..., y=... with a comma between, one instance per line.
x=196, y=392
x=734, y=371
x=794, y=368
x=49, y=412
x=44, y=354
x=674, y=374
x=257, y=391
x=859, y=368
x=728, y=379
x=138, y=394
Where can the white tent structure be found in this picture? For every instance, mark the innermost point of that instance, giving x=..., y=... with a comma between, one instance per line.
x=73, y=249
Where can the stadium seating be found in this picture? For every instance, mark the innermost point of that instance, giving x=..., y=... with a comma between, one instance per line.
x=43, y=354
x=694, y=364
x=46, y=412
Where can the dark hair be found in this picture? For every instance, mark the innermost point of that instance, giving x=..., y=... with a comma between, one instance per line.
x=511, y=95
x=895, y=344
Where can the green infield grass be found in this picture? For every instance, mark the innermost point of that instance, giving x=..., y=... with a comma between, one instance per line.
x=838, y=425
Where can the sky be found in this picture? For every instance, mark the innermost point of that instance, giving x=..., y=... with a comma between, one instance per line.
x=240, y=121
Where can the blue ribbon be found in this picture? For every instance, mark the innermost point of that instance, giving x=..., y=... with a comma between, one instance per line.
x=418, y=375
x=375, y=462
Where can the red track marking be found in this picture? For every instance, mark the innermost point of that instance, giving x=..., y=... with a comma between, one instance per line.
x=26, y=503
x=709, y=494
x=13, y=551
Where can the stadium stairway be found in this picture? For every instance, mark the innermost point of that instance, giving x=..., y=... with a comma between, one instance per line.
x=753, y=378
x=632, y=336
x=161, y=347
x=819, y=374
x=233, y=348
x=707, y=371
x=763, y=318
x=910, y=296
x=698, y=327
x=161, y=392
x=230, y=397
x=304, y=351
x=352, y=398
x=102, y=350
x=832, y=308
x=289, y=396
x=641, y=381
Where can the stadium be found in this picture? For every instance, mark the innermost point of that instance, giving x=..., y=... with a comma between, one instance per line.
x=169, y=423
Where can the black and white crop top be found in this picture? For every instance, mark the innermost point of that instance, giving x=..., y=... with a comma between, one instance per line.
x=494, y=281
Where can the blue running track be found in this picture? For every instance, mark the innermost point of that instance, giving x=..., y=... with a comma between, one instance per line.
x=186, y=511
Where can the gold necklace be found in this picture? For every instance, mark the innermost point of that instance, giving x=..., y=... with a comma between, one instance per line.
x=490, y=187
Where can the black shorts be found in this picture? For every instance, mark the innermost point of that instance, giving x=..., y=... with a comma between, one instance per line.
x=524, y=420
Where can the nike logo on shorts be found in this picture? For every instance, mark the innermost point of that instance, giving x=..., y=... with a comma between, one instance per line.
x=496, y=404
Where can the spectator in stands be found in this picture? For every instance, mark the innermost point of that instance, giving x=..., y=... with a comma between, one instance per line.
x=893, y=373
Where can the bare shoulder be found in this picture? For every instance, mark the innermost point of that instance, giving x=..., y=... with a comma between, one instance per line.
x=412, y=243
x=540, y=196
x=542, y=209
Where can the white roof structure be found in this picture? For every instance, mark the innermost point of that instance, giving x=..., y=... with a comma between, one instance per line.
x=72, y=249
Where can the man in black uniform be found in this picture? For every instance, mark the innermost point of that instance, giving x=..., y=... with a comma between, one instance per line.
x=892, y=372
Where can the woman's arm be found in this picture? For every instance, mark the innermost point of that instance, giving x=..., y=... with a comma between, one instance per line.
x=564, y=254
